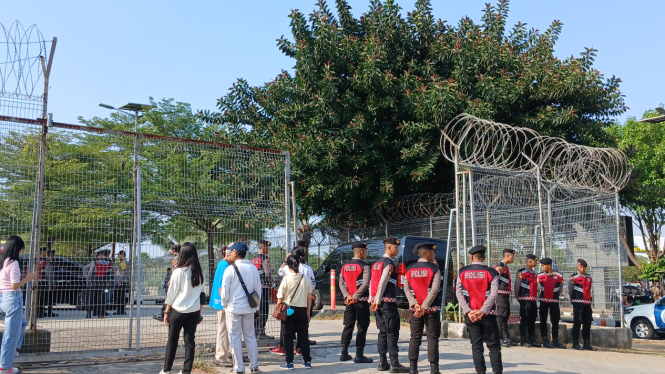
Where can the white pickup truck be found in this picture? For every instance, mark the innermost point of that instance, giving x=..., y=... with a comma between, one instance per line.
x=646, y=320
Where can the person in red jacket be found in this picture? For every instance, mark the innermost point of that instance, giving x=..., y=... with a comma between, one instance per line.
x=423, y=279
x=354, y=284
x=550, y=284
x=580, y=297
x=477, y=288
x=526, y=291
x=503, y=300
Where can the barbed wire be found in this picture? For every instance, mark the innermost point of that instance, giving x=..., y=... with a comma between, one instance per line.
x=21, y=72
x=487, y=144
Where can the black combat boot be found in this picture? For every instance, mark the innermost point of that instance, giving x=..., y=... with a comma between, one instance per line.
x=383, y=363
x=546, y=343
x=360, y=356
x=434, y=369
x=587, y=346
x=414, y=367
x=576, y=345
x=512, y=343
x=524, y=342
x=534, y=343
x=345, y=356
x=396, y=367
x=556, y=344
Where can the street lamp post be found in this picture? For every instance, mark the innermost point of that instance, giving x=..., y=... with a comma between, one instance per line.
x=136, y=240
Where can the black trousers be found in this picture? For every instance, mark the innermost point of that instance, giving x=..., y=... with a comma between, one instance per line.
x=297, y=323
x=433, y=322
x=50, y=301
x=120, y=298
x=581, y=318
x=387, y=321
x=356, y=314
x=485, y=330
x=181, y=321
x=42, y=298
x=528, y=315
x=503, y=314
x=96, y=300
x=264, y=307
x=555, y=316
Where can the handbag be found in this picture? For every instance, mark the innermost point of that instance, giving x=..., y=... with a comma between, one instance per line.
x=282, y=310
x=252, y=297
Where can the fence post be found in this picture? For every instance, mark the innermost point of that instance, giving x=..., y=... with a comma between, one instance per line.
x=295, y=217
x=618, y=219
x=333, y=297
x=447, y=266
x=35, y=232
x=287, y=224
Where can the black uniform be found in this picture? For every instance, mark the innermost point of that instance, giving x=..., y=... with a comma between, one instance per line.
x=354, y=282
x=526, y=291
x=422, y=286
x=384, y=292
x=550, y=289
x=503, y=301
x=262, y=263
x=580, y=297
x=477, y=288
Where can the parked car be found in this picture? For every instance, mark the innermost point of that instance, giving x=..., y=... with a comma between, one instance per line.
x=70, y=285
x=375, y=250
x=646, y=320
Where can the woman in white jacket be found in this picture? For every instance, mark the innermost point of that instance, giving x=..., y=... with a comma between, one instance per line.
x=183, y=306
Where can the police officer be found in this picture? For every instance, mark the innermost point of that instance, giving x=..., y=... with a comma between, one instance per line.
x=526, y=291
x=477, y=288
x=383, y=294
x=122, y=277
x=423, y=279
x=549, y=285
x=580, y=297
x=503, y=300
x=49, y=271
x=96, y=274
x=354, y=284
x=262, y=263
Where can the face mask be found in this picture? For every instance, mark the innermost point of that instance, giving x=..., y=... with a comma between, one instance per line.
x=289, y=312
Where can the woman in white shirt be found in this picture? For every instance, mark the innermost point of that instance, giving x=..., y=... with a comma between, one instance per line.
x=183, y=306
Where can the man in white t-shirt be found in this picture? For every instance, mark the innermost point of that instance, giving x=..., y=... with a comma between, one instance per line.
x=239, y=314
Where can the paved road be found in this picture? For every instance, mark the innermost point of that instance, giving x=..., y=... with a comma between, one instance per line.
x=455, y=355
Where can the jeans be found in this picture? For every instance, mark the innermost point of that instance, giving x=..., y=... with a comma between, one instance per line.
x=11, y=304
x=181, y=321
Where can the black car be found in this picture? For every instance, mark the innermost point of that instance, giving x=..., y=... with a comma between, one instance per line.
x=70, y=285
x=375, y=249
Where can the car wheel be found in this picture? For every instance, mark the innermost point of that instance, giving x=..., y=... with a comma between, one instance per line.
x=642, y=329
x=318, y=305
x=80, y=300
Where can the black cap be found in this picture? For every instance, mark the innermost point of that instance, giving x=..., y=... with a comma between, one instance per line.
x=477, y=249
x=391, y=240
x=302, y=243
x=424, y=247
x=123, y=252
x=358, y=245
x=265, y=242
x=531, y=256
x=509, y=250
x=546, y=261
x=582, y=262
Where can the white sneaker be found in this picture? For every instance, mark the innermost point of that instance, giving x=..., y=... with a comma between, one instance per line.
x=164, y=372
x=9, y=371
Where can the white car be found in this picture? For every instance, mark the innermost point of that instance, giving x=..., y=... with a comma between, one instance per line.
x=646, y=320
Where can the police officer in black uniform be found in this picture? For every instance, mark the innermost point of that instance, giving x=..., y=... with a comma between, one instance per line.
x=354, y=284
x=383, y=292
x=262, y=263
x=422, y=285
x=503, y=299
x=477, y=288
x=550, y=284
x=580, y=297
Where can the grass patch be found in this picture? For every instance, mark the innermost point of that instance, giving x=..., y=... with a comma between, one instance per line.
x=202, y=366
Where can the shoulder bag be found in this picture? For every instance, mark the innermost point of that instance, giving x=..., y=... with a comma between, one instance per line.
x=282, y=310
x=252, y=297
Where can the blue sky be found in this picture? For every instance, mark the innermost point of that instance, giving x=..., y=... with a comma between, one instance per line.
x=125, y=51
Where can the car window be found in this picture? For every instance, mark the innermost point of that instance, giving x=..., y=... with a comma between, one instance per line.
x=375, y=250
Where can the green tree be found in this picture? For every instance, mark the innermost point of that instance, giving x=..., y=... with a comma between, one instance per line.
x=362, y=113
x=644, y=196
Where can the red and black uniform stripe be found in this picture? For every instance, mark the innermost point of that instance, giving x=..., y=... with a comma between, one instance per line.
x=580, y=292
x=550, y=287
x=505, y=285
x=390, y=292
x=420, y=276
x=476, y=285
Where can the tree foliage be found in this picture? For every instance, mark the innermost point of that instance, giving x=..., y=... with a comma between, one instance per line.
x=363, y=109
x=644, y=196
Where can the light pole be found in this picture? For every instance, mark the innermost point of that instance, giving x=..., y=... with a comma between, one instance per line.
x=136, y=240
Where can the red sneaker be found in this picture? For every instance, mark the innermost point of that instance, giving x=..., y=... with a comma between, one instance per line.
x=298, y=352
x=277, y=351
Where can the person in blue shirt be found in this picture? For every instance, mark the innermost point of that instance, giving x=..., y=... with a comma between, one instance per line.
x=223, y=347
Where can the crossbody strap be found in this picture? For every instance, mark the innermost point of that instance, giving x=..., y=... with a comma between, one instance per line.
x=296, y=290
x=242, y=282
